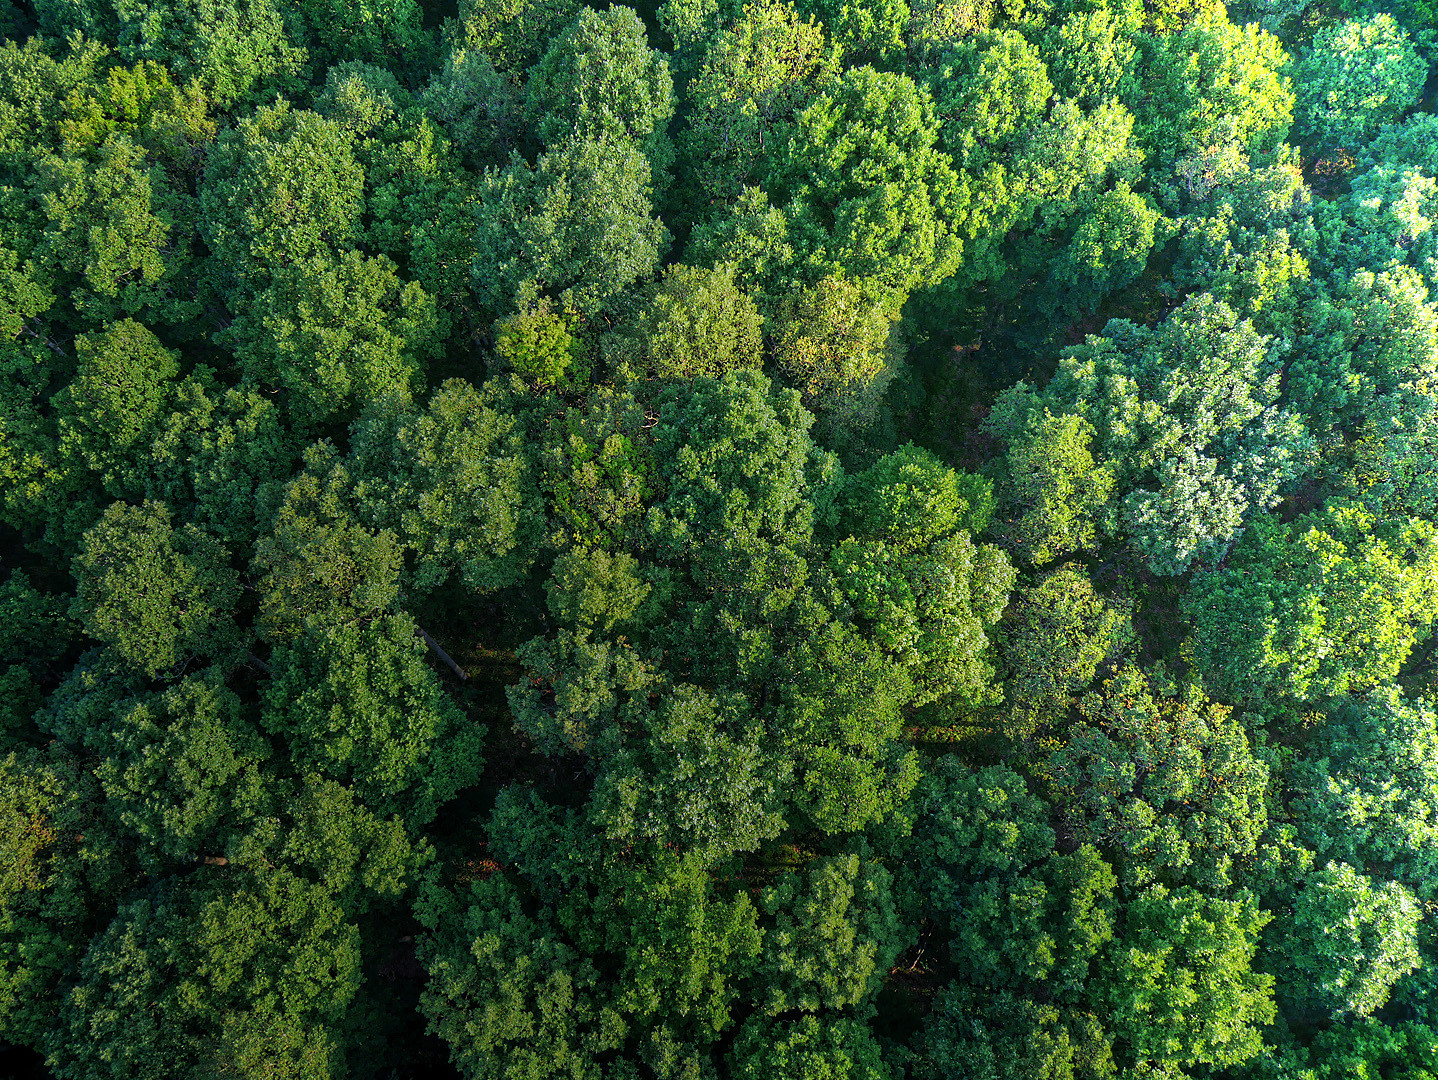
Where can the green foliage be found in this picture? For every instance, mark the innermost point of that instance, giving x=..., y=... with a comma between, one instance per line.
x=235, y=52
x=183, y=770
x=117, y=236
x=157, y=594
x=1347, y=941
x=537, y=347
x=117, y=400
x=1214, y=82
x=222, y=454
x=1109, y=248
x=753, y=79
x=834, y=934
x=600, y=80
x=34, y=635
x=281, y=186
x=1383, y=221
x=1365, y=787
x=512, y=33
x=509, y=994
x=318, y=566
x=335, y=334
x=834, y=342
x=478, y=107
x=866, y=190
x=324, y=326
x=1358, y=75
x=697, y=323
x=1179, y=982
x=649, y=961
x=809, y=1048
x=142, y=102
x=1001, y=1036
x=360, y=705
x=1247, y=234
x=1373, y=333
x=252, y=966
x=1053, y=639
x=1170, y=786
x=576, y=227
x=1185, y=417
x=989, y=90
x=1328, y=604
x=453, y=482
x=1049, y=484
x=909, y=499
x=385, y=32
x=59, y=864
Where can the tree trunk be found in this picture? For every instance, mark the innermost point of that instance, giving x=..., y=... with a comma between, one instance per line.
x=449, y=660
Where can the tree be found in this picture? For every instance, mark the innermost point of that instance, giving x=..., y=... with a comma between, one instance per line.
x=514, y=34
x=1025, y=923
x=1108, y=250
x=1178, y=982
x=866, y=33
x=990, y=91
x=1050, y=490
x=753, y=79
x=1358, y=75
x=1246, y=233
x=236, y=52
x=172, y=123
x=34, y=636
x=220, y=457
x=1186, y=418
x=1329, y=604
x=1346, y=942
x=318, y=566
x=335, y=334
x=698, y=777
x=35, y=79
x=1214, y=82
x=1054, y=637
x=253, y=965
x=835, y=342
x=1365, y=788
x=62, y=870
x=997, y=1035
x=479, y=107
x=112, y=409
x=832, y=933
x=866, y=190
x=808, y=1048
x=267, y=201
x=697, y=323
x=454, y=483
x=117, y=235
x=576, y=227
x=387, y=32
x=1383, y=221
x=1364, y=338
x=360, y=705
x=156, y=593
x=1171, y=787
x=183, y=770
x=647, y=957
x=509, y=993
x=600, y=80
x=538, y=347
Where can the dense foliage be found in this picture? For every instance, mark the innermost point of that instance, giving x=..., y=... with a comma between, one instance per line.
x=771, y=540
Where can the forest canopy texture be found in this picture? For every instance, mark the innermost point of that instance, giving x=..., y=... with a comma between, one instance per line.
x=718, y=540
